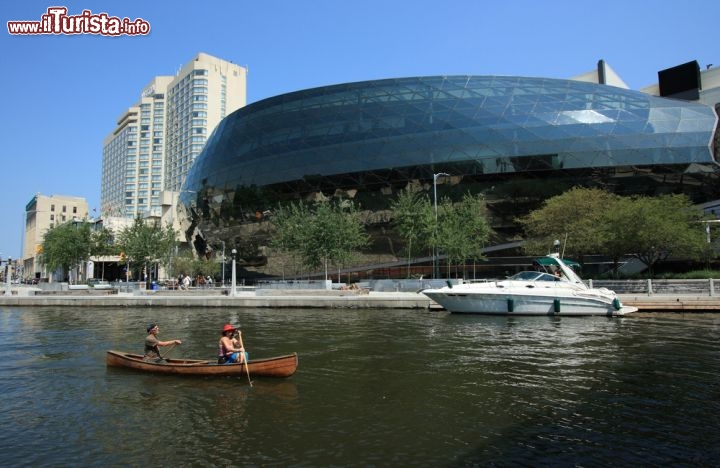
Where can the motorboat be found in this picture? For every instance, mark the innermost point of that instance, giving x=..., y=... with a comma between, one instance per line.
x=553, y=288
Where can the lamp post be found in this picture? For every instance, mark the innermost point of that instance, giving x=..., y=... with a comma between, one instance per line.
x=8, y=276
x=435, y=178
x=223, y=262
x=232, y=292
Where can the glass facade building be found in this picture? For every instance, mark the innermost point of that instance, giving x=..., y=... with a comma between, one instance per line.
x=517, y=140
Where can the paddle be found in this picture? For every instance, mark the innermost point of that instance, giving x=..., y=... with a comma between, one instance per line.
x=172, y=346
x=243, y=357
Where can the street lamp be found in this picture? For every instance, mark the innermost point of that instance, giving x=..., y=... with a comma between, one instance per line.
x=435, y=178
x=232, y=292
x=223, y=268
x=8, y=276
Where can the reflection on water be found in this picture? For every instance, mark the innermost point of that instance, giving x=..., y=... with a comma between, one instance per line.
x=381, y=388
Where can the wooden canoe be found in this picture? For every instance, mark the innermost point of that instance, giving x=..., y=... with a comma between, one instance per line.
x=279, y=366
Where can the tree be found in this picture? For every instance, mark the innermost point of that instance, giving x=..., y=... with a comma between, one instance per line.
x=462, y=229
x=146, y=243
x=102, y=242
x=66, y=246
x=289, y=222
x=575, y=217
x=186, y=264
x=414, y=220
x=596, y=221
x=653, y=228
x=327, y=232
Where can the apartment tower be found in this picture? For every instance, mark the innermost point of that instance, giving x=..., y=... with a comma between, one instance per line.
x=156, y=140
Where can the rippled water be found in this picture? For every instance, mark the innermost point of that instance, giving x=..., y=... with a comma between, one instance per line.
x=374, y=388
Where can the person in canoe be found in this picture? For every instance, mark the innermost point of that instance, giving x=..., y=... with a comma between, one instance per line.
x=230, y=346
x=153, y=344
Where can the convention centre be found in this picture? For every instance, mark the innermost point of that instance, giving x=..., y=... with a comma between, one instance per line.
x=515, y=140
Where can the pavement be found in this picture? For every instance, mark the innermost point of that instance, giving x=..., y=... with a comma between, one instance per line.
x=203, y=298
x=29, y=297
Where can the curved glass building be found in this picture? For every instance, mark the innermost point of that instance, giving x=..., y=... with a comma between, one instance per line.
x=517, y=140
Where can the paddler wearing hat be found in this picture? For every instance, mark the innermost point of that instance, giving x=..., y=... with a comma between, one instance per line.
x=229, y=346
x=153, y=344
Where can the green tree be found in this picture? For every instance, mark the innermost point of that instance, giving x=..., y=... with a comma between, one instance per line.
x=183, y=264
x=574, y=217
x=289, y=222
x=596, y=221
x=653, y=228
x=186, y=264
x=414, y=221
x=102, y=242
x=66, y=246
x=145, y=243
x=462, y=229
x=324, y=233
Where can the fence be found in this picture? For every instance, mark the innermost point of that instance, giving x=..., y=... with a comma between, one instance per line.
x=696, y=287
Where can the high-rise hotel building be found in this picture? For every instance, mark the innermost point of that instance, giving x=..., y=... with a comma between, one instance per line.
x=157, y=139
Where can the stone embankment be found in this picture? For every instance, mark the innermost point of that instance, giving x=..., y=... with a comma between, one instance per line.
x=207, y=298
x=331, y=299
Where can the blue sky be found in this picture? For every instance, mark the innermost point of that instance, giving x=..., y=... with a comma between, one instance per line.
x=63, y=94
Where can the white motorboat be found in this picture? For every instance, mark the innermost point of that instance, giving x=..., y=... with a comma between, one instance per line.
x=556, y=291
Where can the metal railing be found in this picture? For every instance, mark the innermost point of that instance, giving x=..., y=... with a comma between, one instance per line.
x=695, y=287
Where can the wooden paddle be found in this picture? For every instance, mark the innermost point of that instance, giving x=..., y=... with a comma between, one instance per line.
x=172, y=346
x=243, y=357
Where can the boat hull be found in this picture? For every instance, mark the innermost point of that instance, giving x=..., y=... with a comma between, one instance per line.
x=558, y=291
x=280, y=366
x=553, y=301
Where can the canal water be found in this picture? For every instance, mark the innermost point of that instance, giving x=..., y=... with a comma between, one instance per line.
x=374, y=388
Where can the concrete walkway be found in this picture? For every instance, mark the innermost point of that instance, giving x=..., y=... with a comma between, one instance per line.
x=309, y=299
x=276, y=299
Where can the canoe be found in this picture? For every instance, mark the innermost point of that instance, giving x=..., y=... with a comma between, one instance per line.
x=279, y=366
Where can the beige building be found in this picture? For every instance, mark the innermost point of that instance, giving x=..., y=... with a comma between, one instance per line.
x=42, y=213
x=602, y=74
x=156, y=140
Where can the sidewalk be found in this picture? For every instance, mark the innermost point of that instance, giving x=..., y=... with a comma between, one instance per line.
x=200, y=298
x=312, y=299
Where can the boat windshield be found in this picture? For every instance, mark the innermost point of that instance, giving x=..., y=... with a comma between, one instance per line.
x=533, y=276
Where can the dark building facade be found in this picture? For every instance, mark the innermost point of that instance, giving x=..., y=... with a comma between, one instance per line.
x=516, y=140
